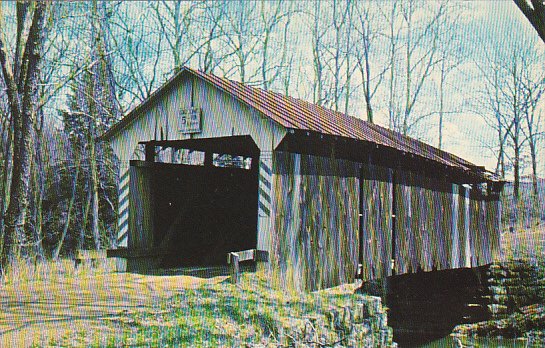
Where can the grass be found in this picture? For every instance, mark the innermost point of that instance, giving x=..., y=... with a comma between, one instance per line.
x=251, y=313
x=22, y=272
x=525, y=243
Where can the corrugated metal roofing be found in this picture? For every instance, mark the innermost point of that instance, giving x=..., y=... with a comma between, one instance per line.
x=298, y=114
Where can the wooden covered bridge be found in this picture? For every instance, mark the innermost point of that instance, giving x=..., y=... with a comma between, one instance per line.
x=209, y=166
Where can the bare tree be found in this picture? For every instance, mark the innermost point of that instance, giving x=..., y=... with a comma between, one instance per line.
x=493, y=107
x=209, y=23
x=513, y=89
x=318, y=34
x=420, y=59
x=449, y=56
x=533, y=87
x=240, y=35
x=21, y=76
x=514, y=127
x=272, y=14
x=338, y=50
x=366, y=31
x=394, y=42
x=174, y=18
x=137, y=49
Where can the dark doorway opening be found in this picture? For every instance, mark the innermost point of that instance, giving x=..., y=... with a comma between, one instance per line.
x=212, y=211
x=205, y=194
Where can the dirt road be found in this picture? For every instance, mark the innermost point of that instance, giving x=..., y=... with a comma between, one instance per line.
x=38, y=311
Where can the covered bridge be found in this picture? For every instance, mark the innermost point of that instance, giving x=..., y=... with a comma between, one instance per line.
x=209, y=166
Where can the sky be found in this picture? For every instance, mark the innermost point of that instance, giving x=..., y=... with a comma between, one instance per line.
x=499, y=23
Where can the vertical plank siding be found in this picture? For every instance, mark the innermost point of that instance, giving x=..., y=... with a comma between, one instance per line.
x=465, y=219
x=441, y=226
x=141, y=208
x=493, y=223
x=408, y=254
x=456, y=241
x=316, y=220
x=377, y=222
x=438, y=225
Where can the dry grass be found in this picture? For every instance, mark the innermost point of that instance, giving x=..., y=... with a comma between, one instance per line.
x=55, y=305
x=524, y=243
x=225, y=315
x=25, y=271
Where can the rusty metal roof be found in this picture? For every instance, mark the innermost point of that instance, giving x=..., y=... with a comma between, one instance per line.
x=298, y=114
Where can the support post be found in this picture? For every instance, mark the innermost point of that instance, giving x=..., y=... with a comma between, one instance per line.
x=359, y=272
x=149, y=152
x=394, y=212
x=234, y=269
x=208, y=158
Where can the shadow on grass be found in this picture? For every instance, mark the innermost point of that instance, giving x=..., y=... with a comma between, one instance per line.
x=205, y=272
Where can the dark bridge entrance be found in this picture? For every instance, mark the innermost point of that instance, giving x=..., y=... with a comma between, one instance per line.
x=206, y=211
x=192, y=201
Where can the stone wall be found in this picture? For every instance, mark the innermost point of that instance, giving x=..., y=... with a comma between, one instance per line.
x=362, y=323
x=513, y=285
x=516, y=303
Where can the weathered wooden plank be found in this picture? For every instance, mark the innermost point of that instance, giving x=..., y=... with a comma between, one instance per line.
x=234, y=269
x=436, y=227
x=474, y=235
x=337, y=183
x=455, y=213
x=493, y=223
x=250, y=255
x=138, y=253
x=468, y=251
x=377, y=217
x=312, y=239
x=141, y=208
x=442, y=204
x=316, y=220
x=424, y=223
x=90, y=254
x=403, y=240
x=281, y=213
x=413, y=224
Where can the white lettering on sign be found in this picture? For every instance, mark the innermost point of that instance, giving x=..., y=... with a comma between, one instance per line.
x=190, y=121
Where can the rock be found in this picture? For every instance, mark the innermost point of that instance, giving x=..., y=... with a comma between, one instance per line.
x=375, y=305
x=498, y=290
x=534, y=309
x=499, y=299
x=361, y=312
x=497, y=309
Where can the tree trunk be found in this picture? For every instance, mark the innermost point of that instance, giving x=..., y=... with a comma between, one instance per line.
x=14, y=237
x=38, y=187
x=535, y=193
x=69, y=213
x=81, y=239
x=441, y=103
x=93, y=191
x=516, y=174
x=6, y=180
x=22, y=99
